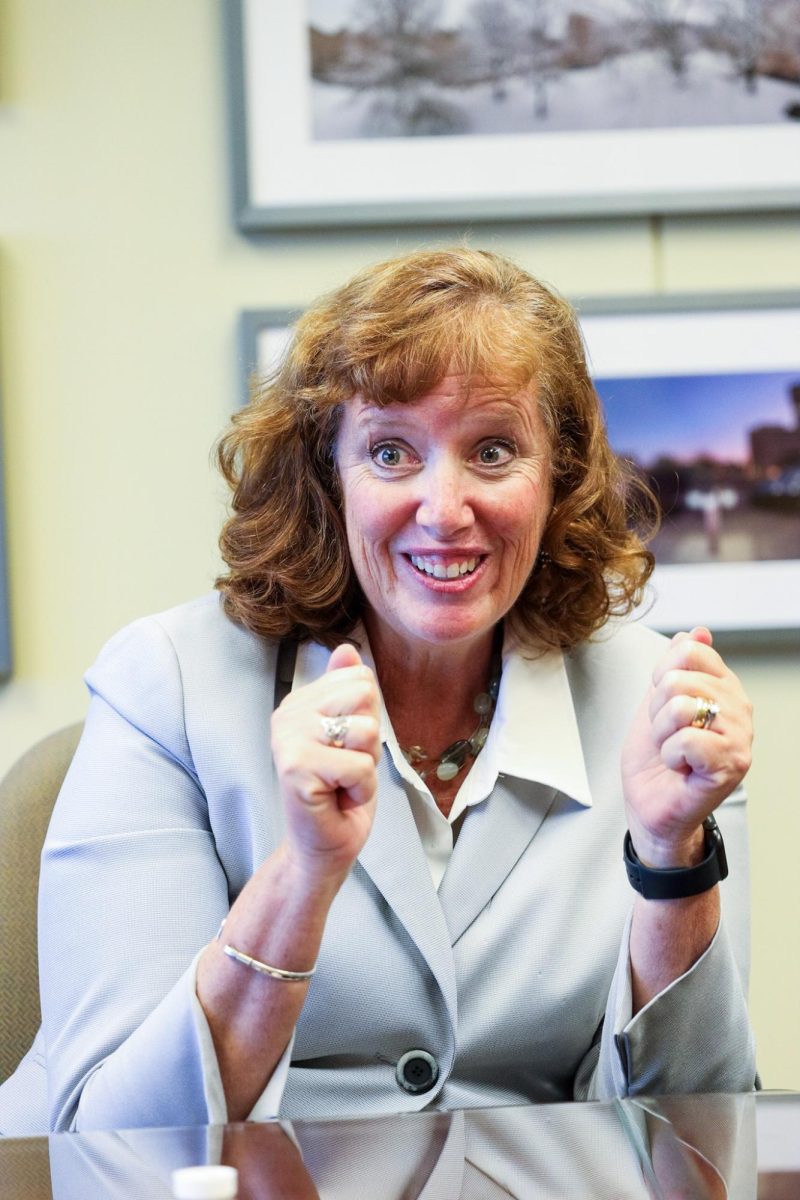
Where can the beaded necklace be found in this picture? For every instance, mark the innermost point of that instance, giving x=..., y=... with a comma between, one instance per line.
x=453, y=757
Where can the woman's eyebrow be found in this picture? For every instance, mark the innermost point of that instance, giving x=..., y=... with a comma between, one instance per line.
x=373, y=416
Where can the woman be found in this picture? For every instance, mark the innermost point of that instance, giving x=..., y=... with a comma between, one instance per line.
x=422, y=884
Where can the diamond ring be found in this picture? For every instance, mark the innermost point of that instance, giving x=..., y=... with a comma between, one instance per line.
x=336, y=730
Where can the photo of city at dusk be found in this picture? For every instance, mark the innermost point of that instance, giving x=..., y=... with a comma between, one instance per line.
x=722, y=453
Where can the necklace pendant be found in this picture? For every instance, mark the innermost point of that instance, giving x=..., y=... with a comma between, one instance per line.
x=414, y=754
x=478, y=740
x=453, y=757
x=452, y=760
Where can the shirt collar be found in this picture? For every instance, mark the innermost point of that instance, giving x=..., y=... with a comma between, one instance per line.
x=537, y=728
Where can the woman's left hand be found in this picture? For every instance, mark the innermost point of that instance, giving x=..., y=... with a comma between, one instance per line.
x=674, y=774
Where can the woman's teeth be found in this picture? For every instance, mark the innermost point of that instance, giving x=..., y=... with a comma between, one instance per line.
x=441, y=570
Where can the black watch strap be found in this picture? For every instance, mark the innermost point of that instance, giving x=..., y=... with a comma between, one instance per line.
x=674, y=883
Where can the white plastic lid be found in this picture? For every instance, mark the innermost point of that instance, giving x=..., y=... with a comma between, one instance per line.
x=205, y=1183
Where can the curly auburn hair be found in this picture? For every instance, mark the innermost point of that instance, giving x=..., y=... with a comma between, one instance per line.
x=389, y=336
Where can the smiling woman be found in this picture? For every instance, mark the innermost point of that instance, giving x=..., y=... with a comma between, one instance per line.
x=420, y=873
x=386, y=339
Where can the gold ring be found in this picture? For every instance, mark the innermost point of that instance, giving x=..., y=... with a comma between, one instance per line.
x=705, y=711
x=336, y=730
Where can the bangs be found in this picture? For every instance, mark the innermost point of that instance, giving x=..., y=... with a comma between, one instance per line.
x=480, y=340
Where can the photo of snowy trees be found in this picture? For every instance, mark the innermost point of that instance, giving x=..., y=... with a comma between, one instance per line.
x=426, y=68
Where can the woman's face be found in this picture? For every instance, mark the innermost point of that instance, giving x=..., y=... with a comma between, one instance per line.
x=445, y=501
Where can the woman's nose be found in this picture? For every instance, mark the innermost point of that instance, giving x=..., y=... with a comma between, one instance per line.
x=444, y=507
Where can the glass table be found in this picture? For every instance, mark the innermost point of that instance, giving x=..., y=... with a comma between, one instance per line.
x=678, y=1147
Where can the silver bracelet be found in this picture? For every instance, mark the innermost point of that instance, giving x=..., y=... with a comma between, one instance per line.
x=263, y=968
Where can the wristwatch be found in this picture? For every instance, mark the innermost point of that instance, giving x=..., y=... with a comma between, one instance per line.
x=673, y=883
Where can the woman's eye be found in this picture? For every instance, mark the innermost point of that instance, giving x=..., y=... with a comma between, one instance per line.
x=388, y=454
x=494, y=454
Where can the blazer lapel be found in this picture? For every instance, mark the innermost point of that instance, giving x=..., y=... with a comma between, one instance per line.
x=493, y=837
x=395, y=861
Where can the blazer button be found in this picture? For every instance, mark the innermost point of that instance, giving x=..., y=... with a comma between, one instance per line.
x=417, y=1071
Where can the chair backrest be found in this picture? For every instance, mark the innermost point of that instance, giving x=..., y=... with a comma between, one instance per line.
x=27, y=796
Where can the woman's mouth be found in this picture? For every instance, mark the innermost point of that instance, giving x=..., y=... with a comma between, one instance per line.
x=434, y=566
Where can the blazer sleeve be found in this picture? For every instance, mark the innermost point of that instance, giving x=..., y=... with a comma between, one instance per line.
x=131, y=891
x=695, y=1035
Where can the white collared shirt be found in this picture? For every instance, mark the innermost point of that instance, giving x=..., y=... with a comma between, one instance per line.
x=533, y=735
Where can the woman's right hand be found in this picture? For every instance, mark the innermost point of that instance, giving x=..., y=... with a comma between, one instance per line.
x=279, y=916
x=329, y=790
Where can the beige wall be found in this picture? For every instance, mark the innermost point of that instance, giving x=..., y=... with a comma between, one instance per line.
x=121, y=277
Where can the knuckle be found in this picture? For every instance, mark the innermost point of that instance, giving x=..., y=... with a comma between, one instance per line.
x=740, y=761
x=372, y=727
x=366, y=762
x=286, y=764
x=672, y=682
x=364, y=676
x=366, y=695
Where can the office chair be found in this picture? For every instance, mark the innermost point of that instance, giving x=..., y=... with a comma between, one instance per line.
x=27, y=795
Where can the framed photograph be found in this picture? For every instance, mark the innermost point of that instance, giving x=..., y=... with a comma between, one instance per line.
x=702, y=394
x=373, y=111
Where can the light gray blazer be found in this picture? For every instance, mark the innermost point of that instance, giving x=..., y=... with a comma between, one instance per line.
x=514, y=976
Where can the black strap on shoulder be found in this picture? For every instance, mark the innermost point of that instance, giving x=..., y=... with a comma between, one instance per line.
x=284, y=671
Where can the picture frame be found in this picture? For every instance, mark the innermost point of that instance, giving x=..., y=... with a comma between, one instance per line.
x=283, y=178
x=719, y=341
